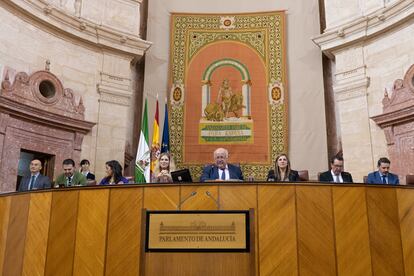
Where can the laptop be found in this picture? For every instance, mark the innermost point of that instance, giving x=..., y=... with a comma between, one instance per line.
x=181, y=176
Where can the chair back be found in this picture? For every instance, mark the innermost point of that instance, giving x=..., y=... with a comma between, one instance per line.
x=303, y=175
x=365, y=178
x=409, y=179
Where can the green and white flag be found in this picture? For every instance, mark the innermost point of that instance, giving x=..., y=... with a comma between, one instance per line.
x=142, y=162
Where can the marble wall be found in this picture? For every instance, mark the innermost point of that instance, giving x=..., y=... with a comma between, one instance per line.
x=370, y=53
x=92, y=49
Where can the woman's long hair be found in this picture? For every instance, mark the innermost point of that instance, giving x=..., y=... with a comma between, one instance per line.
x=277, y=169
x=171, y=165
x=116, y=171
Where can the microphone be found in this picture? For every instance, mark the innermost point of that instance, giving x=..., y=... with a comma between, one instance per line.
x=215, y=200
x=193, y=193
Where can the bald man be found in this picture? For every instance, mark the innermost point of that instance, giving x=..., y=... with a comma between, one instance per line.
x=221, y=170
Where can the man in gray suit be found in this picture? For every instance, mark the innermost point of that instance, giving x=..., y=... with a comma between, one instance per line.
x=35, y=180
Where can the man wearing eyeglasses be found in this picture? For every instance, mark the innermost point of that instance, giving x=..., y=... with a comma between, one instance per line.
x=336, y=173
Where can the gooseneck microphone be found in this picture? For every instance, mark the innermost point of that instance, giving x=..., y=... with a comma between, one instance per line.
x=193, y=193
x=215, y=200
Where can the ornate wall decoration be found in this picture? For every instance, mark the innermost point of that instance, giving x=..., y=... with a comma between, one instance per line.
x=397, y=121
x=38, y=114
x=232, y=69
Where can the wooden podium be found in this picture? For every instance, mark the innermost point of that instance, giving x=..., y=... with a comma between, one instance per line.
x=306, y=229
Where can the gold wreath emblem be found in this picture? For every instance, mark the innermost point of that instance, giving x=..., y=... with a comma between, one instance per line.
x=177, y=94
x=276, y=93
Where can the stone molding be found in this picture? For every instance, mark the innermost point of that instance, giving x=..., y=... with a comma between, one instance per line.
x=115, y=89
x=351, y=84
x=365, y=27
x=399, y=109
x=68, y=25
x=24, y=100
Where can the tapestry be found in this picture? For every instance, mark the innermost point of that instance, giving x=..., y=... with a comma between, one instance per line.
x=228, y=89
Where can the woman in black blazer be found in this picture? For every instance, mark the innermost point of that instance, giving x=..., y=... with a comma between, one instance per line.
x=282, y=171
x=84, y=164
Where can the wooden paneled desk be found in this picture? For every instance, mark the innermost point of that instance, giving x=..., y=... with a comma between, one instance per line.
x=306, y=229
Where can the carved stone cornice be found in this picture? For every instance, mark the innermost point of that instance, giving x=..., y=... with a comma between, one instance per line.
x=365, y=27
x=43, y=117
x=115, y=89
x=351, y=84
x=399, y=109
x=68, y=25
x=394, y=118
x=25, y=99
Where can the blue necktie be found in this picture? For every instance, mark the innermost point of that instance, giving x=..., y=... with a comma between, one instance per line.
x=384, y=179
x=31, y=183
x=223, y=175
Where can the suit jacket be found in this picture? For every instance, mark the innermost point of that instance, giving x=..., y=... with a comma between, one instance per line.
x=293, y=176
x=327, y=177
x=41, y=182
x=375, y=178
x=90, y=176
x=210, y=172
x=78, y=179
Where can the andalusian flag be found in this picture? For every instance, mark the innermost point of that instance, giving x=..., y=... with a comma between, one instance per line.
x=165, y=145
x=155, y=147
x=142, y=162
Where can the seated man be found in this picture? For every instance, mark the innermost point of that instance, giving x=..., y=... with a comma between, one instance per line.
x=383, y=176
x=221, y=170
x=35, y=180
x=70, y=177
x=336, y=174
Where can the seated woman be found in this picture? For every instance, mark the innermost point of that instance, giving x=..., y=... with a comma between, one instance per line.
x=163, y=168
x=113, y=174
x=282, y=171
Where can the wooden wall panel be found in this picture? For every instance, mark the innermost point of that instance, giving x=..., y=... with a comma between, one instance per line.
x=406, y=215
x=190, y=264
x=243, y=197
x=14, y=254
x=91, y=226
x=316, y=242
x=384, y=229
x=4, y=222
x=124, y=232
x=352, y=234
x=301, y=229
x=62, y=231
x=200, y=201
x=161, y=198
x=37, y=234
x=277, y=230
x=237, y=197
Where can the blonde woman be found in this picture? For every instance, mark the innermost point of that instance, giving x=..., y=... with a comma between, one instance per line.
x=163, y=169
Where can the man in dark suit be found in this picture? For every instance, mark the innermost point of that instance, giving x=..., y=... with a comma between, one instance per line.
x=35, y=180
x=336, y=174
x=383, y=175
x=221, y=170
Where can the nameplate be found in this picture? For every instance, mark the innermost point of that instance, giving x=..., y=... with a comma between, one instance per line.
x=197, y=231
